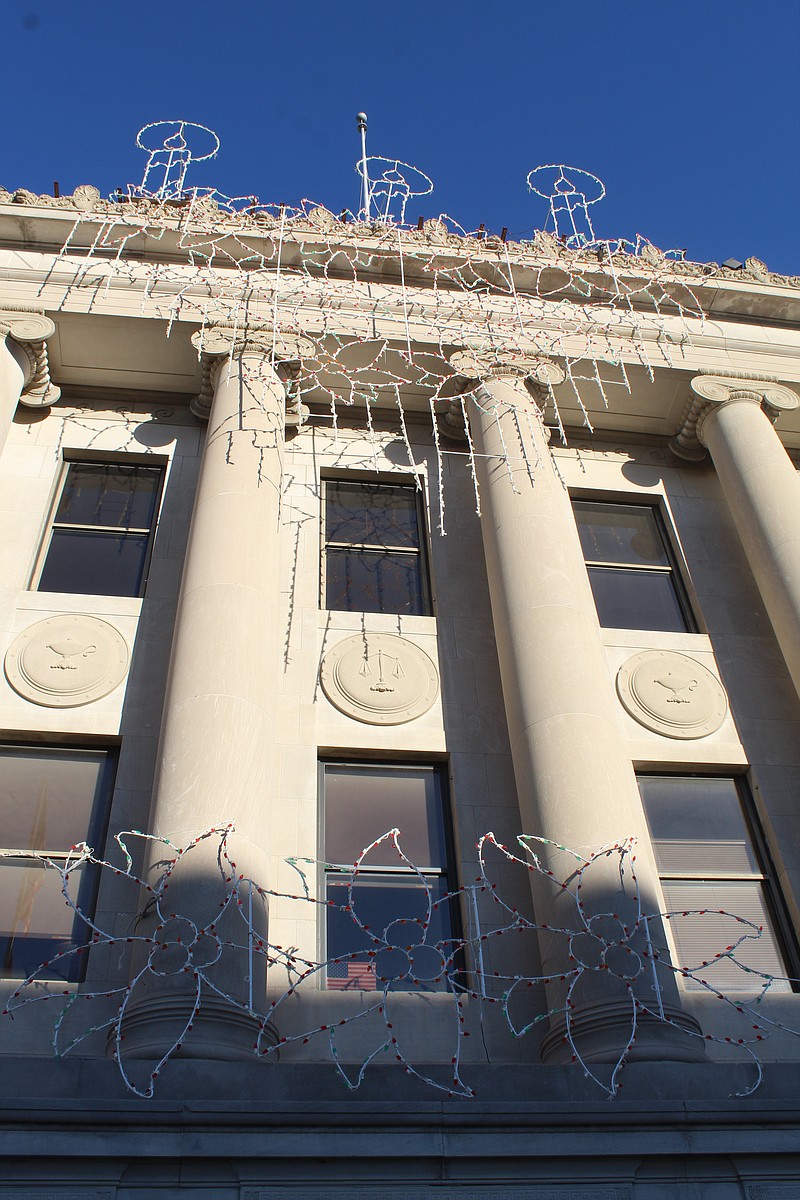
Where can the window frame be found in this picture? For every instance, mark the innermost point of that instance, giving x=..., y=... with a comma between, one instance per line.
x=92, y=458
x=675, y=567
x=783, y=934
x=421, y=553
x=448, y=872
x=96, y=836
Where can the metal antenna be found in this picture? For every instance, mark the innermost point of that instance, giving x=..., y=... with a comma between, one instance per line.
x=361, y=120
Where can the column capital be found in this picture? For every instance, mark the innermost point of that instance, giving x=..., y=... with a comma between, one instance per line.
x=217, y=344
x=711, y=392
x=539, y=372
x=29, y=327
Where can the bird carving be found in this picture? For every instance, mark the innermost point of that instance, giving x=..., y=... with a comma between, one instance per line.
x=676, y=683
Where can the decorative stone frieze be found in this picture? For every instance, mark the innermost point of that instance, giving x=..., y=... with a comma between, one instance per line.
x=712, y=391
x=218, y=343
x=29, y=327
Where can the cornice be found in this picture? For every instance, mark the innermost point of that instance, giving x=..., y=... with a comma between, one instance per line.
x=29, y=327
x=435, y=244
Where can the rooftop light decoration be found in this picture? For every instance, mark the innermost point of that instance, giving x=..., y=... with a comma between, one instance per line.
x=381, y=300
x=171, y=147
x=569, y=193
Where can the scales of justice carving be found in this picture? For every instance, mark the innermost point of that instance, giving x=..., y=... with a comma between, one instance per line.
x=303, y=269
x=379, y=678
x=386, y=666
x=404, y=959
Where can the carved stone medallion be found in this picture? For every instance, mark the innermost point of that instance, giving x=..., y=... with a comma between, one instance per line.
x=672, y=694
x=379, y=678
x=66, y=661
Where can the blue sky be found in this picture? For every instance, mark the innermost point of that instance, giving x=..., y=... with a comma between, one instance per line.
x=688, y=111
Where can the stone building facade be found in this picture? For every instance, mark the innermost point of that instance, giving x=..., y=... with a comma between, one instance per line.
x=384, y=530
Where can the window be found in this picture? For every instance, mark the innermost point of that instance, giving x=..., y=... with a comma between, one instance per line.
x=374, y=559
x=102, y=531
x=631, y=570
x=360, y=804
x=709, y=858
x=50, y=799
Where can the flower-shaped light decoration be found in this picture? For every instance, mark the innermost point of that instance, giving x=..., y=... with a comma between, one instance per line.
x=405, y=956
x=408, y=954
x=175, y=945
x=623, y=949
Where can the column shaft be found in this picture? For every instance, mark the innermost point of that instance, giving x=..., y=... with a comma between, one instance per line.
x=574, y=776
x=762, y=489
x=217, y=748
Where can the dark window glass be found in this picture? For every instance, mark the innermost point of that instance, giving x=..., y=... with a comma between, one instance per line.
x=636, y=600
x=102, y=531
x=109, y=494
x=633, y=578
x=374, y=560
x=710, y=864
x=406, y=911
x=50, y=800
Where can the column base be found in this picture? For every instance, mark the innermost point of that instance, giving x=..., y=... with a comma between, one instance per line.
x=153, y=1027
x=601, y=1031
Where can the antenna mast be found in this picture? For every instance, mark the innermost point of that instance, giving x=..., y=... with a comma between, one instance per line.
x=361, y=120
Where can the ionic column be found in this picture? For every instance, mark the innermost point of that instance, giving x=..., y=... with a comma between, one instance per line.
x=574, y=778
x=734, y=420
x=24, y=370
x=217, y=748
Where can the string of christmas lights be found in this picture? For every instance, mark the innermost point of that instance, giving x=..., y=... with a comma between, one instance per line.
x=389, y=960
x=593, y=303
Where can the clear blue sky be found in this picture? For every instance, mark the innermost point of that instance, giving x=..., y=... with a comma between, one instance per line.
x=686, y=109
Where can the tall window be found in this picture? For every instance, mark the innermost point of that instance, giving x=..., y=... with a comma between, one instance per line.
x=50, y=799
x=631, y=568
x=374, y=556
x=360, y=804
x=709, y=858
x=101, y=535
